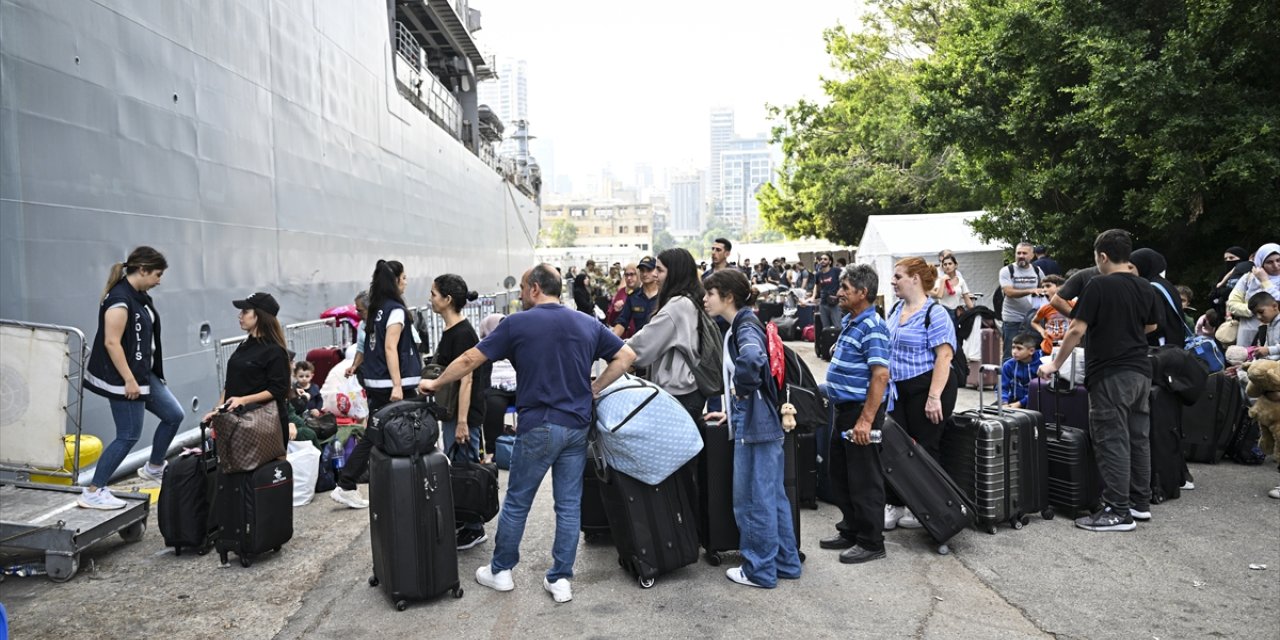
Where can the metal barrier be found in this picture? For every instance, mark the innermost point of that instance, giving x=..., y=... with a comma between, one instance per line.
x=300, y=336
x=77, y=360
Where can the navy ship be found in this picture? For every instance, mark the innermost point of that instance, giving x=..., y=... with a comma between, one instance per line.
x=261, y=145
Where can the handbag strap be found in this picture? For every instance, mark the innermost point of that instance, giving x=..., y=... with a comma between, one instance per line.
x=1186, y=330
x=653, y=393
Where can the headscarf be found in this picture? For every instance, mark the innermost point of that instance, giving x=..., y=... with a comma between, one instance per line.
x=1150, y=265
x=1239, y=252
x=489, y=323
x=1264, y=252
x=1251, y=284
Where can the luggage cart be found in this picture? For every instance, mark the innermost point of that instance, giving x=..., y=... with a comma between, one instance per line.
x=42, y=378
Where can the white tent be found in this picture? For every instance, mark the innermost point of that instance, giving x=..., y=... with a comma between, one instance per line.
x=890, y=238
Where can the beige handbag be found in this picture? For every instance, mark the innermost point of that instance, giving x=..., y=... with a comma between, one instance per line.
x=248, y=437
x=1227, y=332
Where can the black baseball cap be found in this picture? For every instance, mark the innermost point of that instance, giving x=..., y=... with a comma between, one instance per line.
x=259, y=301
x=647, y=263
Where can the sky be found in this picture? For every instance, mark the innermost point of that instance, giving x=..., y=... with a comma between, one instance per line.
x=613, y=84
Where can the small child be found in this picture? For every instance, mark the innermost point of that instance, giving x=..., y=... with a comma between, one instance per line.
x=1267, y=311
x=1049, y=322
x=1017, y=371
x=308, y=402
x=1188, y=311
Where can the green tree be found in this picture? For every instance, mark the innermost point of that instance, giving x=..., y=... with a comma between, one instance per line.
x=1161, y=117
x=662, y=241
x=861, y=153
x=562, y=233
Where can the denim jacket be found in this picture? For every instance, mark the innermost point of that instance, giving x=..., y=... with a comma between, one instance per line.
x=753, y=408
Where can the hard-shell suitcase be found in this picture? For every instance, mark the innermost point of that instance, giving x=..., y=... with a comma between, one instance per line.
x=807, y=468
x=184, y=508
x=919, y=480
x=717, y=528
x=1075, y=486
x=991, y=347
x=1207, y=425
x=653, y=526
x=1060, y=404
x=411, y=527
x=254, y=510
x=999, y=458
x=826, y=341
x=1166, y=445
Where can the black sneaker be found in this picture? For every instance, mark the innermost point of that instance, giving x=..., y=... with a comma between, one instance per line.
x=468, y=538
x=835, y=542
x=1107, y=519
x=858, y=555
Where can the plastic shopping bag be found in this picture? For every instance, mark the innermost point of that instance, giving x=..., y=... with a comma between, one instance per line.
x=343, y=395
x=304, y=457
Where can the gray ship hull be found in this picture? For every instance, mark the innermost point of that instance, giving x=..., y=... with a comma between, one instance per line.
x=260, y=145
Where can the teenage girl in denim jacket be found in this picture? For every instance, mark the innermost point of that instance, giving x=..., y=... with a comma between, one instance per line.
x=760, y=506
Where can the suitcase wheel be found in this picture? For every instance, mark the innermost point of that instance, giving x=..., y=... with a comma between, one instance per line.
x=457, y=592
x=646, y=583
x=222, y=556
x=713, y=558
x=401, y=605
x=133, y=532
x=177, y=551
x=373, y=581
x=943, y=550
x=278, y=548
x=1047, y=514
x=802, y=557
x=991, y=530
x=245, y=562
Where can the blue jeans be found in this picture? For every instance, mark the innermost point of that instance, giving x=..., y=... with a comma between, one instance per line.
x=1008, y=331
x=128, y=416
x=470, y=451
x=563, y=450
x=763, y=513
x=830, y=314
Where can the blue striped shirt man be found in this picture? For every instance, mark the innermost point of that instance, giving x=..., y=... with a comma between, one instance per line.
x=913, y=344
x=863, y=343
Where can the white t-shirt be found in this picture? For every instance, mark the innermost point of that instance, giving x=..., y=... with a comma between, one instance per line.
x=956, y=298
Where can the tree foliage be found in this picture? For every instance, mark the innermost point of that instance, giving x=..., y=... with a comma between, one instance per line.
x=1161, y=117
x=561, y=233
x=860, y=153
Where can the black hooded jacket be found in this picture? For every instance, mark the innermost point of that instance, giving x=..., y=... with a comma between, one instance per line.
x=1171, y=326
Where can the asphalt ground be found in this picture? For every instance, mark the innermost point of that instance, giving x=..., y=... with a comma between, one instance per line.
x=1186, y=574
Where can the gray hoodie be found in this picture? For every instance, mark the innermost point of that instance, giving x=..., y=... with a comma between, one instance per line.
x=667, y=345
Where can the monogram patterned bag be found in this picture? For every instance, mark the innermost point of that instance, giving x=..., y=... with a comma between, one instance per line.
x=248, y=437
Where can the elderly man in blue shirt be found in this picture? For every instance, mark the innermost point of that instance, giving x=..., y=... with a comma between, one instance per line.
x=857, y=382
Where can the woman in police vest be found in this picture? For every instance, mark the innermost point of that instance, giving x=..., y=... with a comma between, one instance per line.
x=392, y=367
x=126, y=366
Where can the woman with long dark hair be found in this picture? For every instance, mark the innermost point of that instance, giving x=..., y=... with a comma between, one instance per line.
x=391, y=367
x=760, y=505
x=668, y=344
x=449, y=294
x=258, y=370
x=922, y=390
x=126, y=366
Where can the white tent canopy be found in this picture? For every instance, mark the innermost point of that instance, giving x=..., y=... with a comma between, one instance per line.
x=888, y=239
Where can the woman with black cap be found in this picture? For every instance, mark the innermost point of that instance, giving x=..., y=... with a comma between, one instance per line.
x=258, y=370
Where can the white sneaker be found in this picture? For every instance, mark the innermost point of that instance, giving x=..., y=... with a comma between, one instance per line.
x=100, y=499
x=349, y=497
x=560, y=590
x=500, y=581
x=1274, y=493
x=1139, y=514
x=1188, y=485
x=892, y=515
x=908, y=520
x=146, y=473
x=735, y=574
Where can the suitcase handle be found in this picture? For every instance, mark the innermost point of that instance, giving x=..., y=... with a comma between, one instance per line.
x=999, y=383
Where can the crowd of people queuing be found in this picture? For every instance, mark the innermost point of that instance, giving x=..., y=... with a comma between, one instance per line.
x=893, y=361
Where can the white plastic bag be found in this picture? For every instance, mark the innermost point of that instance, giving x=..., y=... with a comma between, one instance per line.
x=304, y=457
x=1073, y=369
x=343, y=396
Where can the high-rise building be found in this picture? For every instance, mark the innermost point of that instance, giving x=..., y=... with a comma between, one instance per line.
x=721, y=135
x=508, y=96
x=746, y=164
x=686, y=203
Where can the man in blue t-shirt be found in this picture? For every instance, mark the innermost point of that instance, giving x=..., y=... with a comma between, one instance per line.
x=552, y=348
x=826, y=283
x=857, y=383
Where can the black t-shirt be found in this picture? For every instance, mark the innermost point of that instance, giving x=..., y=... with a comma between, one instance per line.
x=1071, y=289
x=454, y=342
x=259, y=365
x=1169, y=322
x=1117, y=308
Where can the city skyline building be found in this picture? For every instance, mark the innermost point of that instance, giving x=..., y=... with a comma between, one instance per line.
x=508, y=97
x=687, y=203
x=721, y=134
x=746, y=165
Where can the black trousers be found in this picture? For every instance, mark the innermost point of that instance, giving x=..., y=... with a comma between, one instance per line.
x=857, y=482
x=496, y=402
x=908, y=412
x=359, y=460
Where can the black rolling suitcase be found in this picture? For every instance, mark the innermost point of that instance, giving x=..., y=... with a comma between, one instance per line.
x=788, y=328
x=826, y=341
x=1000, y=459
x=411, y=526
x=254, y=510
x=1075, y=486
x=919, y=480
x=654, y=526
x=1207, y=425
x=184, y=508
x=594, y=521
x=806, y=468
x=1166, y=446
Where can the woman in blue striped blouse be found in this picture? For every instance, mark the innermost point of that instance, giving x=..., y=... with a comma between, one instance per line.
x=922, y=342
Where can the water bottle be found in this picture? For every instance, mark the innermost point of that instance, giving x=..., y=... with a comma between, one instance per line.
x=339, y=456
x=25, y=570
x=875, y=436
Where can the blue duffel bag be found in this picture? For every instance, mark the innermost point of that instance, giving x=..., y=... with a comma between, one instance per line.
x=644, y=431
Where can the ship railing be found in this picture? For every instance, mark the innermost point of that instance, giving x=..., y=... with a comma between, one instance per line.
x=301, y=337
x=421, y=87
x=407, y=46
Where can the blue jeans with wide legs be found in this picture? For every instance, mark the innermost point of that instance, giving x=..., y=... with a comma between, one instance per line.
x=763, y=513
x=563, y=450
x=128, y=416
x=469, y=451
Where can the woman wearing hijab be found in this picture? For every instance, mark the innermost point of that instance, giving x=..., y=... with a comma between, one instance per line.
x=1265, y=276
x=1236, y=264
x=1170, y=329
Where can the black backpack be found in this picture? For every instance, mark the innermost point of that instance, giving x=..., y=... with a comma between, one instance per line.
x=405, y=428
x=707, y=368
x=997, y=298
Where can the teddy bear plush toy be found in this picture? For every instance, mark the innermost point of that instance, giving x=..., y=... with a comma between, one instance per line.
x=1264, y=384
